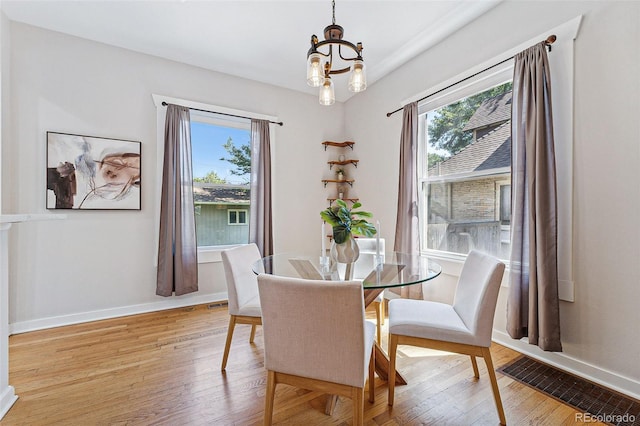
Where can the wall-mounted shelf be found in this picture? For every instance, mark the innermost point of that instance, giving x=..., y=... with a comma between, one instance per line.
x=342, y=163
x=338, y=144
x=349, y=181
x=352, y=200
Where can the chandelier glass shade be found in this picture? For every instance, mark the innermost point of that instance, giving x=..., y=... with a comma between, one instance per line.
x=327, y=57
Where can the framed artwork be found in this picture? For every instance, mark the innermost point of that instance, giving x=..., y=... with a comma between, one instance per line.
x=92, y=173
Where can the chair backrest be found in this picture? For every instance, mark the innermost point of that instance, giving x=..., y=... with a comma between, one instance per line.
x=477, y=293
x=242, y=284
x=314, y=328
x=366, y=261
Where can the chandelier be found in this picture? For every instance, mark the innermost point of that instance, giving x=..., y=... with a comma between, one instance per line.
x=319, y=74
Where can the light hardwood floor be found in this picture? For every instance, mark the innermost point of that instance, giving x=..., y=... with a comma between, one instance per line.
x=163, y=368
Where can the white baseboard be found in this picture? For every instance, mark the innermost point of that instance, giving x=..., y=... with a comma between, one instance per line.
x=593, y=373
x=7, y=398
x=168, y=303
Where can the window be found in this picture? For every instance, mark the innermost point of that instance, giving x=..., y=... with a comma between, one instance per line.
x=237, y=217
x=466, y=171
x=221, y=162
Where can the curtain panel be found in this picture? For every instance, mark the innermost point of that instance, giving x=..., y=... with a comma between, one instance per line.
x=177, y=250
x=260, y=223
x=533, y=303
x=407, y=239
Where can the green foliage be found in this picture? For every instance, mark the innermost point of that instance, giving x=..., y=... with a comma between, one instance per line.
x=345, y=221
x=211, y=177
x=434, y=159
x=445, y=130
x=239, y=157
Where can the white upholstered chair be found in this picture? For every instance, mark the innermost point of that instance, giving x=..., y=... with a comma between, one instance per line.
x=364, y=266
x=316, y=338
x=464, y=327
x=242, y=288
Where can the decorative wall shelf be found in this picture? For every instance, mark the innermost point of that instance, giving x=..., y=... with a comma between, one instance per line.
x=342, y=163
x=352, y=200
x=338, y=144
x=349, y=181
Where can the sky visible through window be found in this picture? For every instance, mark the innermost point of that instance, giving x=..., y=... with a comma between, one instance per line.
x=207, y=142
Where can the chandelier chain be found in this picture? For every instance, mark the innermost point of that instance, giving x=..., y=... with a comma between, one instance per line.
x=333, y=6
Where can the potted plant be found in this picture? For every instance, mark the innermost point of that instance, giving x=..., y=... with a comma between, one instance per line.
x=340, y=174
x=346, y=222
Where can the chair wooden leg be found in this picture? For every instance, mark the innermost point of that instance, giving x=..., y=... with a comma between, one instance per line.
x=486, y=354
x=372, y=378
x=253, y=333
x=377, y=306
x=268, y=398
x=358, y=406
x=393, y=346
x=474, y=364
x=227, y=346
x=382, y=311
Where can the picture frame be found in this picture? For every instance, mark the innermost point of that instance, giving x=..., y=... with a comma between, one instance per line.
x=92, y=173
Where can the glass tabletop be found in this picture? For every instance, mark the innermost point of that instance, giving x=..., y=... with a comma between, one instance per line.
x=392, y=269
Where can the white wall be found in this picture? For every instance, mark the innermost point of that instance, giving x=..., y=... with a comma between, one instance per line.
x=99, y=263
x=598, y=333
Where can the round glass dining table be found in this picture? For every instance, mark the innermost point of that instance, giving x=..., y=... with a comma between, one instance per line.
x=392, y=269
x=377, y=272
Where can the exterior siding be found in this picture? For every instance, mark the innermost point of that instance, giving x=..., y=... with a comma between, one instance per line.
x=212, y=228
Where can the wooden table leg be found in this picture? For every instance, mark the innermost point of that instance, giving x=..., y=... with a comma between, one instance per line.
x=382, y=366
x=332, y=401
x=382, y=360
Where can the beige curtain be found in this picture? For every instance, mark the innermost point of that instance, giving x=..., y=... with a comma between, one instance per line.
x=177, y=250
x=260, y=228
x=533, y=304
x=407, y=229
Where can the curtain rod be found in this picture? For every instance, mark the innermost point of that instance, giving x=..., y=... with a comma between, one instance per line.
x=549, y=41
x=279, y=123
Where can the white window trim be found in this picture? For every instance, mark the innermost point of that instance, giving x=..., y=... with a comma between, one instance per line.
x=206, y=254
x=561, y=61
x=237, y=211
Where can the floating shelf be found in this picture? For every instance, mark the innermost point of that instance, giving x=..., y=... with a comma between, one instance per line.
x=342, y=163
x=338, y=144
x=352, y=200
x=349, y=181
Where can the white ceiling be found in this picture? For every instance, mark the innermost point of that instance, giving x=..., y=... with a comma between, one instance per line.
x=260, y=40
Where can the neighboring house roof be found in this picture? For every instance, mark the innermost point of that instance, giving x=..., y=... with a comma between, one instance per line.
x=491, y=111
x=220, y=194
x=492, y=151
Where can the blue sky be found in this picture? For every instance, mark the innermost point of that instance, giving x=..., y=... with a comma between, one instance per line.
x=206, y=149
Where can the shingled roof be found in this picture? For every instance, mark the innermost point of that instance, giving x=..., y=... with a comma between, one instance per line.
x=491, y=111
x=220, y=194
x=492, y=151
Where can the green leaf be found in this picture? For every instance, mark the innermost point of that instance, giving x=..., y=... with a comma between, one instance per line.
x=340, y=234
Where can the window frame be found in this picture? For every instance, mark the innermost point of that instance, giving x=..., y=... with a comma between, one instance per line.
x=206, y=254
x=237, y=222
x=561, y=61
x=492, y=78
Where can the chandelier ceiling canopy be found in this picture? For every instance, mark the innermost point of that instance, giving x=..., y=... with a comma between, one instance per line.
x=327, y=57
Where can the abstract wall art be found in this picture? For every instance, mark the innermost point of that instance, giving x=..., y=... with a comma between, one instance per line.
x=92, y=173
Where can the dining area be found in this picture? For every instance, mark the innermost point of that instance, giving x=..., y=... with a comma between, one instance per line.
x=319, y=333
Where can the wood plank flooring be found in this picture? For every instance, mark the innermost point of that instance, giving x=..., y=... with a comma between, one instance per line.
x=163, y=368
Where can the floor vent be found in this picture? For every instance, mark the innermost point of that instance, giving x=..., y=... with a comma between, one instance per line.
x=594, y=402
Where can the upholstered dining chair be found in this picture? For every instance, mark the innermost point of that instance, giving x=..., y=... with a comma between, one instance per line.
x=242, y=288
x=464, y=327
x=316, y=338
x=363, y=267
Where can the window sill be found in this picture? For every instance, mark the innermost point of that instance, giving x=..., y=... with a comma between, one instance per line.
x=452, y=263
x=212, y=254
